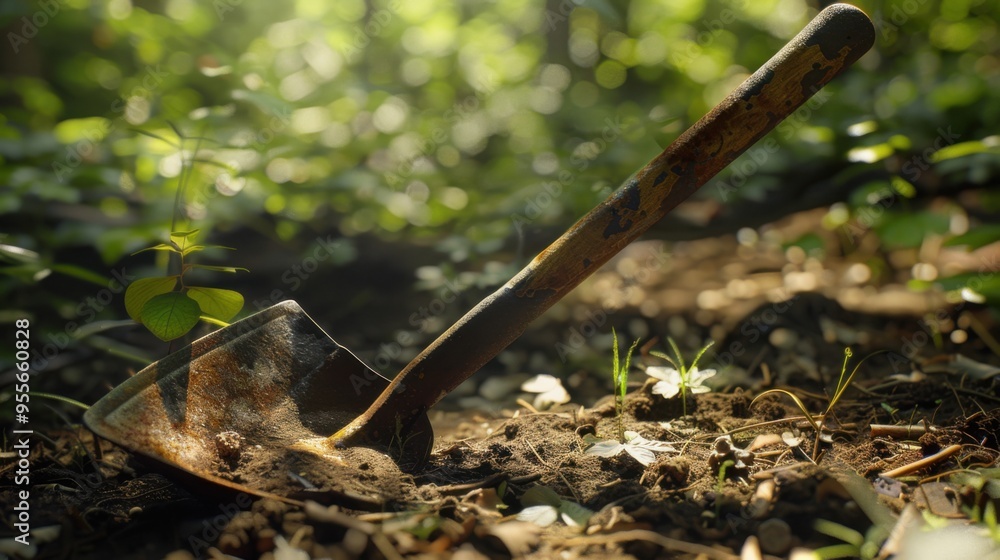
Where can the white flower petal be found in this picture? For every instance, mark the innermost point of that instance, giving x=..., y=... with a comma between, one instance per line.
x=699, y=375
x=640, y=454
x=543, y=516
x=651, y=444
x=541, y=383
x=608, y=448
x=664, y=373
x=557, y=395
x=667, y=389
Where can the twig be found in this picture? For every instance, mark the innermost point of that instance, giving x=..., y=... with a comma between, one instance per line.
x=487, y=482
x=911, y=431
x=463, y=488
x=769, y=473
x=925, y=462
x=977, y=393
x=651, y=537
x=958, y=399
x=527, y=405
x=761, y=425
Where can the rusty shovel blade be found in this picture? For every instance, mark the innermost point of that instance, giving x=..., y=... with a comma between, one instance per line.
x=274, y=379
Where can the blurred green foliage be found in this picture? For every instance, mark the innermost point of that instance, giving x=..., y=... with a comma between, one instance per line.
x=437, y=123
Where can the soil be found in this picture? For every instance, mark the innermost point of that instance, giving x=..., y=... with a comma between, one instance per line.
x=742, y=477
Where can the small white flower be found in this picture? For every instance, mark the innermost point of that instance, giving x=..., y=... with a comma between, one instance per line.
x=670, y=380
x=549, y=388
x=640, y=448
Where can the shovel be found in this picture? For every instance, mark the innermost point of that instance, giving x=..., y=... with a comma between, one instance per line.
x=275, y=381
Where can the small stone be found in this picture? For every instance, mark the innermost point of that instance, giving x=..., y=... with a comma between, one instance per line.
x=228, y=445
x=775, y=536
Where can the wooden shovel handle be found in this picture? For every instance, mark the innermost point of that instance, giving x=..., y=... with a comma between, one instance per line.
x=836, y=38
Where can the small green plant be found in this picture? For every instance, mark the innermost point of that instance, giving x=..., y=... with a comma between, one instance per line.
x=168, y=306
x=680, y=379
x=984, y=486
x=818, y=421
x=854, y=544
x=619, y=375
x=720, y=485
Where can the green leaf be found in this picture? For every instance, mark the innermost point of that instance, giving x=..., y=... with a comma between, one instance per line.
x=216, y=302
x=160, y=247
x=540, y=496
x=870, y=193
x=906, y=230
x=574, y=515
x=183, y=234
x=170, y=315
x=976, y=238
x=961, y=149
x=141, y=291
x=984, y=284
x=615, y=375
x=191, y=249
x=810, y=243
x=220, y=268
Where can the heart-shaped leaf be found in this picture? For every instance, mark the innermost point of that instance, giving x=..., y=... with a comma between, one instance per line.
x=216, y=302
x=170, y=315
x=141, y=291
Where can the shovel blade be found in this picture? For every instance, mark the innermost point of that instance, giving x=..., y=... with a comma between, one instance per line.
x=271, y=380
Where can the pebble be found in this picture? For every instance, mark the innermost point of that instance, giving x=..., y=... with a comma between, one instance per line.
x=775, y=536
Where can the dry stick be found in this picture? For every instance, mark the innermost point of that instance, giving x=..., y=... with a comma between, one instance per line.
x=979, y=394
x=910, y=431
x=763, y=425
x=958, y=400
x=925, y=462
x=487, y=482
x=649, y=536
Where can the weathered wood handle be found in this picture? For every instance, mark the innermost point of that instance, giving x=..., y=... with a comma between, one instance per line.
x=836, y=38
